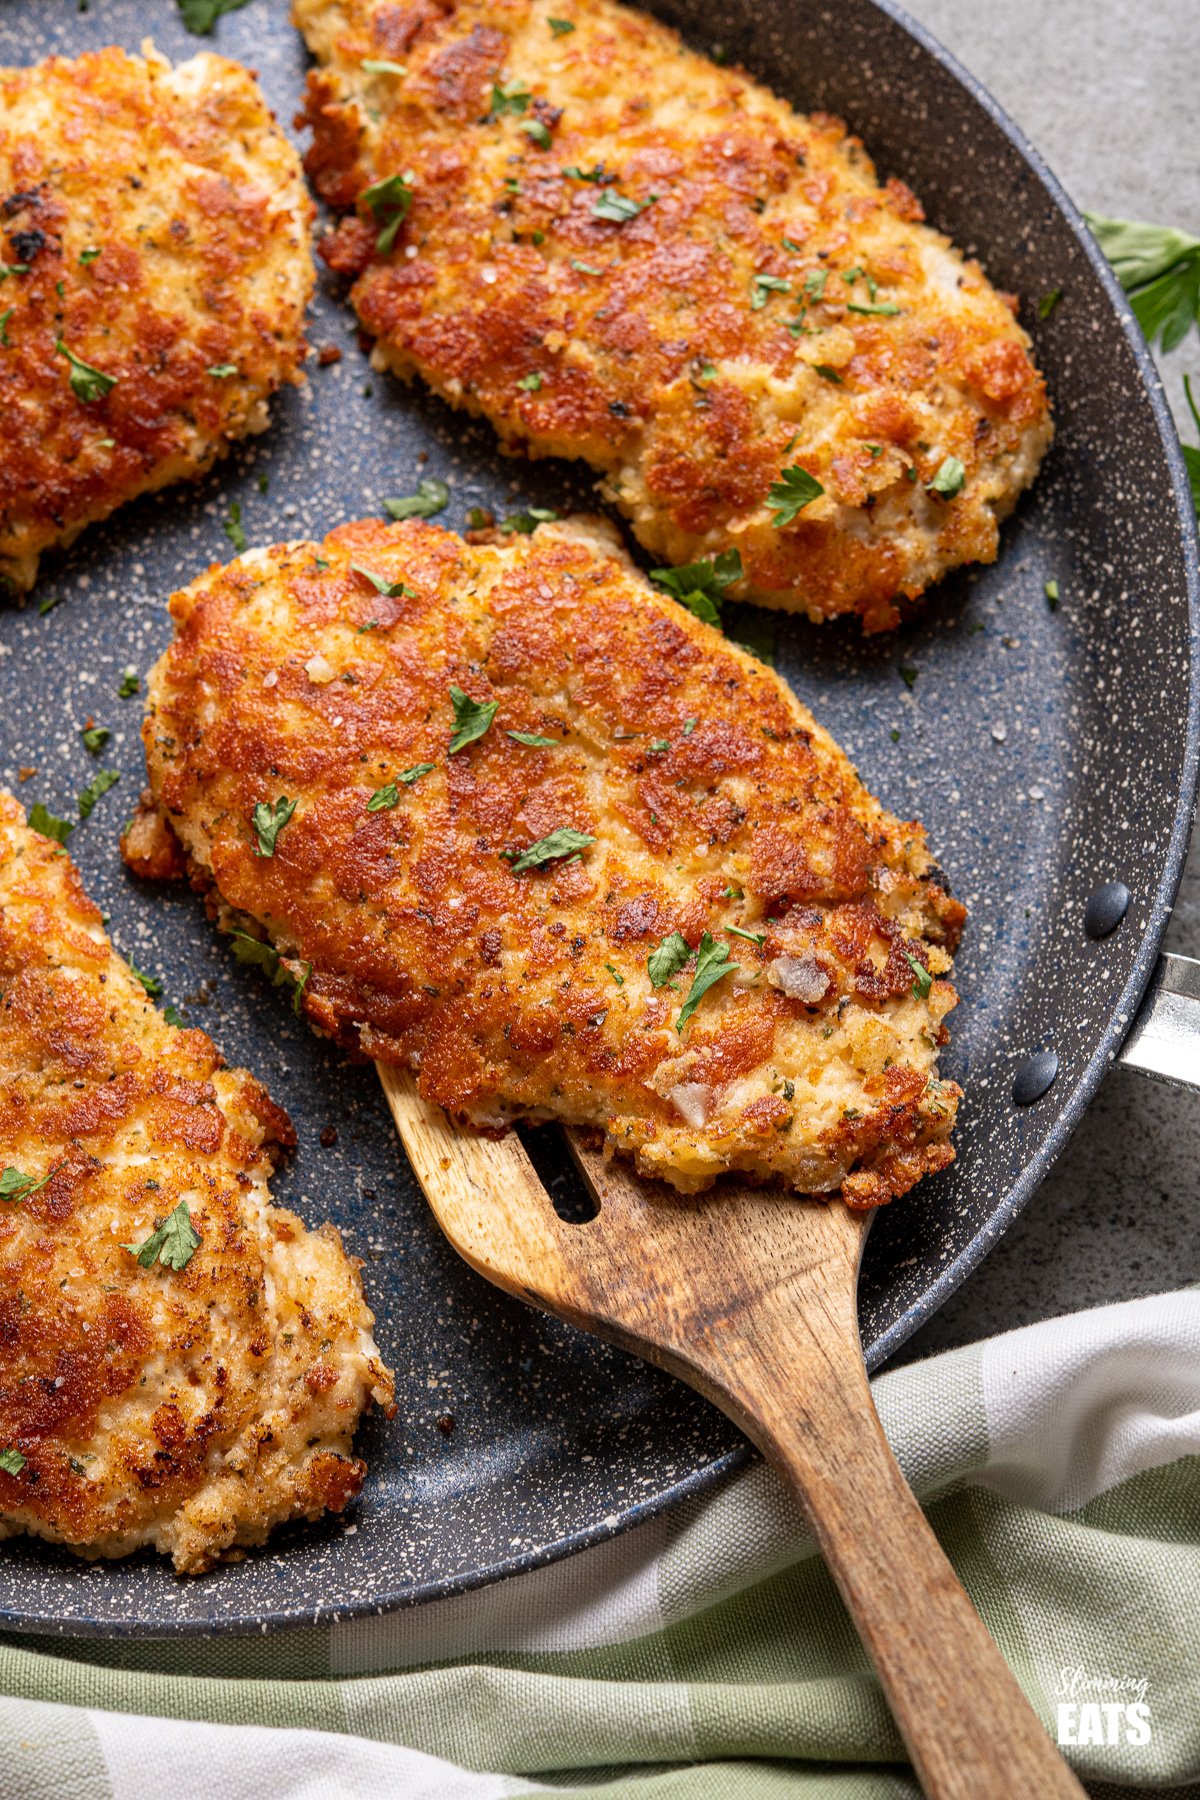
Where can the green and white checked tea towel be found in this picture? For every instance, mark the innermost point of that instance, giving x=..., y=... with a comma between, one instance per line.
x=706, y=1656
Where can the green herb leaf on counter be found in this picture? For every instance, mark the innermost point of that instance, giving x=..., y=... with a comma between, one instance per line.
x=269, y=821
x=788, y=496
x=471, y=718
x=87, y=384
x=431, y=497
x=713, y=962
x=99, y=785
x=1159, y=268
x=668, y=959
x=563, y=842
x=173, y=1242
x=47, y=825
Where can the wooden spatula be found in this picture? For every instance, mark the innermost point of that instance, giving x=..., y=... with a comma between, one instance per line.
x=749, y=1295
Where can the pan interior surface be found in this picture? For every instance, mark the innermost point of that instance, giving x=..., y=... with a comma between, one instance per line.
x=1047, y=749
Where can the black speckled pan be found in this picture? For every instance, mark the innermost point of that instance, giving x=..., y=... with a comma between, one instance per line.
x=1049, y=752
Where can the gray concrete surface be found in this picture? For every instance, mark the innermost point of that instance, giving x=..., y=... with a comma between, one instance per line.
x=1106, y=90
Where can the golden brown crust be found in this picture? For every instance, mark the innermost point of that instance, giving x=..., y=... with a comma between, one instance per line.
x=195, y=200
x=663, y=359
x=715, y=802
x=189, y=1409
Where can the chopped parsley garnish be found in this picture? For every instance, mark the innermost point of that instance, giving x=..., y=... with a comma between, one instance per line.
x=533, y=740
x=87, y=384
x=106, y=779
x=814, y=283
x=1160, y=271
x=512, y=97
x=700, y=585
x=233, y=528
x=689, y=725
x=173, y=1242
x=529, y=520
x=949, y=479
x=471, y=718
x=1051, y=592
x=575, y=173
x=201, y=15
x=48, y=604
x=223, y=371
x=431, y=497
x=384, y=798
x=379, y=65
x=479, y=519
x=11, y=1461
x=268, y=821
x=390, y=200
x=94, y=738
x=151, y=983
x=763, y=286
x=712, y=963
x=563, y=842
x=583, y=268
x=560, y=27
x=752, y=937
x=668, y=959
x=47, y=825
x=788, y=496
x=173, y=1016
x=7, y=269
x=261, y=955
x=884, y=308
x=16, y=1187
x=90, y=254
x=540, y=134
x=827, y=372
x=1048, y=302
x=619, y=979
x=922, y=979
x=618, y=209
x=130, y=685
x=793, y=246
x=733, y=892
x=391, y=590
x=4, y=318
x=531, y=382
x=908, y=675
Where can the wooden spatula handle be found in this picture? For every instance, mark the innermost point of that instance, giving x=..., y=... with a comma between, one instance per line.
x=969, y=1729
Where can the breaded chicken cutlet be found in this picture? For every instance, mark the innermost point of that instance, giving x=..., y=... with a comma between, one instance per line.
x=569, y=223
x=514, y=820
x=154, y=273
x=182, y=1364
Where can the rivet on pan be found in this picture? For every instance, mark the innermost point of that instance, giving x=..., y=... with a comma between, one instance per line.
x=1034, y=1077
x=1105, y=909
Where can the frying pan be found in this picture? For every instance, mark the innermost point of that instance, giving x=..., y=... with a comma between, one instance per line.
x=1051, y=752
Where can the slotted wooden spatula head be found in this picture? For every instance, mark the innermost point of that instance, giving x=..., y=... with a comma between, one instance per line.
x=749, y=1295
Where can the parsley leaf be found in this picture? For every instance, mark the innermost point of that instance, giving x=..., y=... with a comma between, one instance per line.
x=752, y=937
x=949, y=479
x=814, y=283
x=528, y=521
x=390, y=200
x=827, y=372
x=762, y=287
x=223, y=371
x=1048, y=302
x=471, y=718
x=391, y=590
x=1051, y=592
x=408, y=776
x=11, y=1461
x=668, y=959
x=94, y=738
x=233, y=528
x=17, y=1187
x=531, y=383
x=106, y=779
x=540, y=134
x=619, y=979
x=560, y=27
x=575, y=173
x=712, y=963
x=788, y=496
x=269, y=821
x=4, y=318
x=130, y=683
x=884, y=308
x=173, y=1242
x=700, y=585
x=47, y=825
x=563, y=842
x=908, y=675
x=87, y=384
x=384, y=798
x=431, y=497
x=1191, y=455
x=7, y=269
x=585, y=268
x=618, y=209
x=512, y=97
x=377, y=65
x=201, y=15
x=532, y=739
x=922, y=979
x=1159, y=268
x=151, y=983
x=173, y=1016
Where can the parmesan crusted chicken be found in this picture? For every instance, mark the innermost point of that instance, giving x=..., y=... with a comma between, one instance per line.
x=154, y=273
x=519, y=823
x=567, y=222
x=182, y=1364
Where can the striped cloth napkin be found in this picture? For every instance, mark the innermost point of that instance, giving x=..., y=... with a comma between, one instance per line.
x=706, y=1655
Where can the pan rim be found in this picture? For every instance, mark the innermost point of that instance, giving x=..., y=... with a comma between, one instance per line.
x=1069, y=1112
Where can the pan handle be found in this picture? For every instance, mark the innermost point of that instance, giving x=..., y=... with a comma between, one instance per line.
x=1164, y=1039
